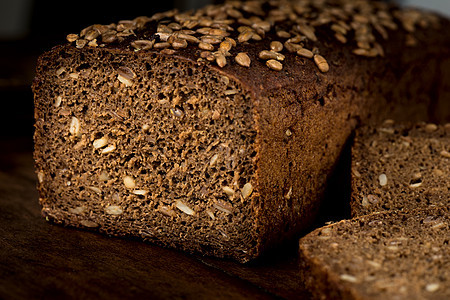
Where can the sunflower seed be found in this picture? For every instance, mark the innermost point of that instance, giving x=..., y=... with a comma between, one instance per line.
x=189, y=38
x=129, y=182
x=184, y=208
x=100, y=143
x=292, y=47
x=114, y=210
x=305, y=53
x=221, y=60
x=205, y=46
x=276, y=46
x=75, y=126
x=321, y=63
x=225, y=46
x=167, y=51
x=142, y=44
x=274, y=65
x=72, y=37
x=247, y=190
x=283, y=34
x=308, y=31
x=179, y=43
x=243, y=59
x=227, y=190
x=245, y=36
x=108, y=149
x=161, y=45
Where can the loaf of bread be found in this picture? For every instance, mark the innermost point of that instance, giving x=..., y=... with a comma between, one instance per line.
x=214, y=131
x=400, y=167
x=387, y=255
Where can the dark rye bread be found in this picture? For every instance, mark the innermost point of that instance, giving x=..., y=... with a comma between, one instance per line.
x=388, y=255
x=400, y=167
x=141, y=132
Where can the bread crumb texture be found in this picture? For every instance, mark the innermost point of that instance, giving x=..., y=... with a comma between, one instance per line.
x=388, y=255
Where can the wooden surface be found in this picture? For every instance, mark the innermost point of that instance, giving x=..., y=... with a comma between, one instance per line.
x=42, y=260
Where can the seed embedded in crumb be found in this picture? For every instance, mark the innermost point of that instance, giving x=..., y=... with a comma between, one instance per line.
x=88, y=223
x=215, y=115
x=100, y=143
x=103, y=176
x=184, y=208
x=415, y=184
x=223, y=207
x=432, y=287
x=40, y=176
x=243, y=59
x=58, y=101
x=95, y=189
x=274, y=65
x=145, y=127
x=129, y=182
x=382, y=179
x=167, y=211
x=140, y=192
x=77, y=210
x=349, y=278
x=176, y=112
x=227, y=190
x=213, y=160
x=321, y=63
x=74, y=127
x=247, y=190
x=445, y=154
x=210, y=214
x=108, y=149
x=114, y=210
x=124, y=80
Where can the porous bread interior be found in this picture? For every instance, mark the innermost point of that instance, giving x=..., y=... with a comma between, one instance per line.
x=389, y=255
x=188, y=154
x=410, y=157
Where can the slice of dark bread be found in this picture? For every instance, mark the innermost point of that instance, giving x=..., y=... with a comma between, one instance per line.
x=387, y=255
x=400, y=166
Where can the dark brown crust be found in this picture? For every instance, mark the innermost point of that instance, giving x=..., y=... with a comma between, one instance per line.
x=320, y=109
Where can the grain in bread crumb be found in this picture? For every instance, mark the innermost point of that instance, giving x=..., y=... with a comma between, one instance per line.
x=382, y=179
x=432, y=287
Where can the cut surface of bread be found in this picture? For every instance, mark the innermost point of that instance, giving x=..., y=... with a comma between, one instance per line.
x=400, y=166
x=387, y=255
